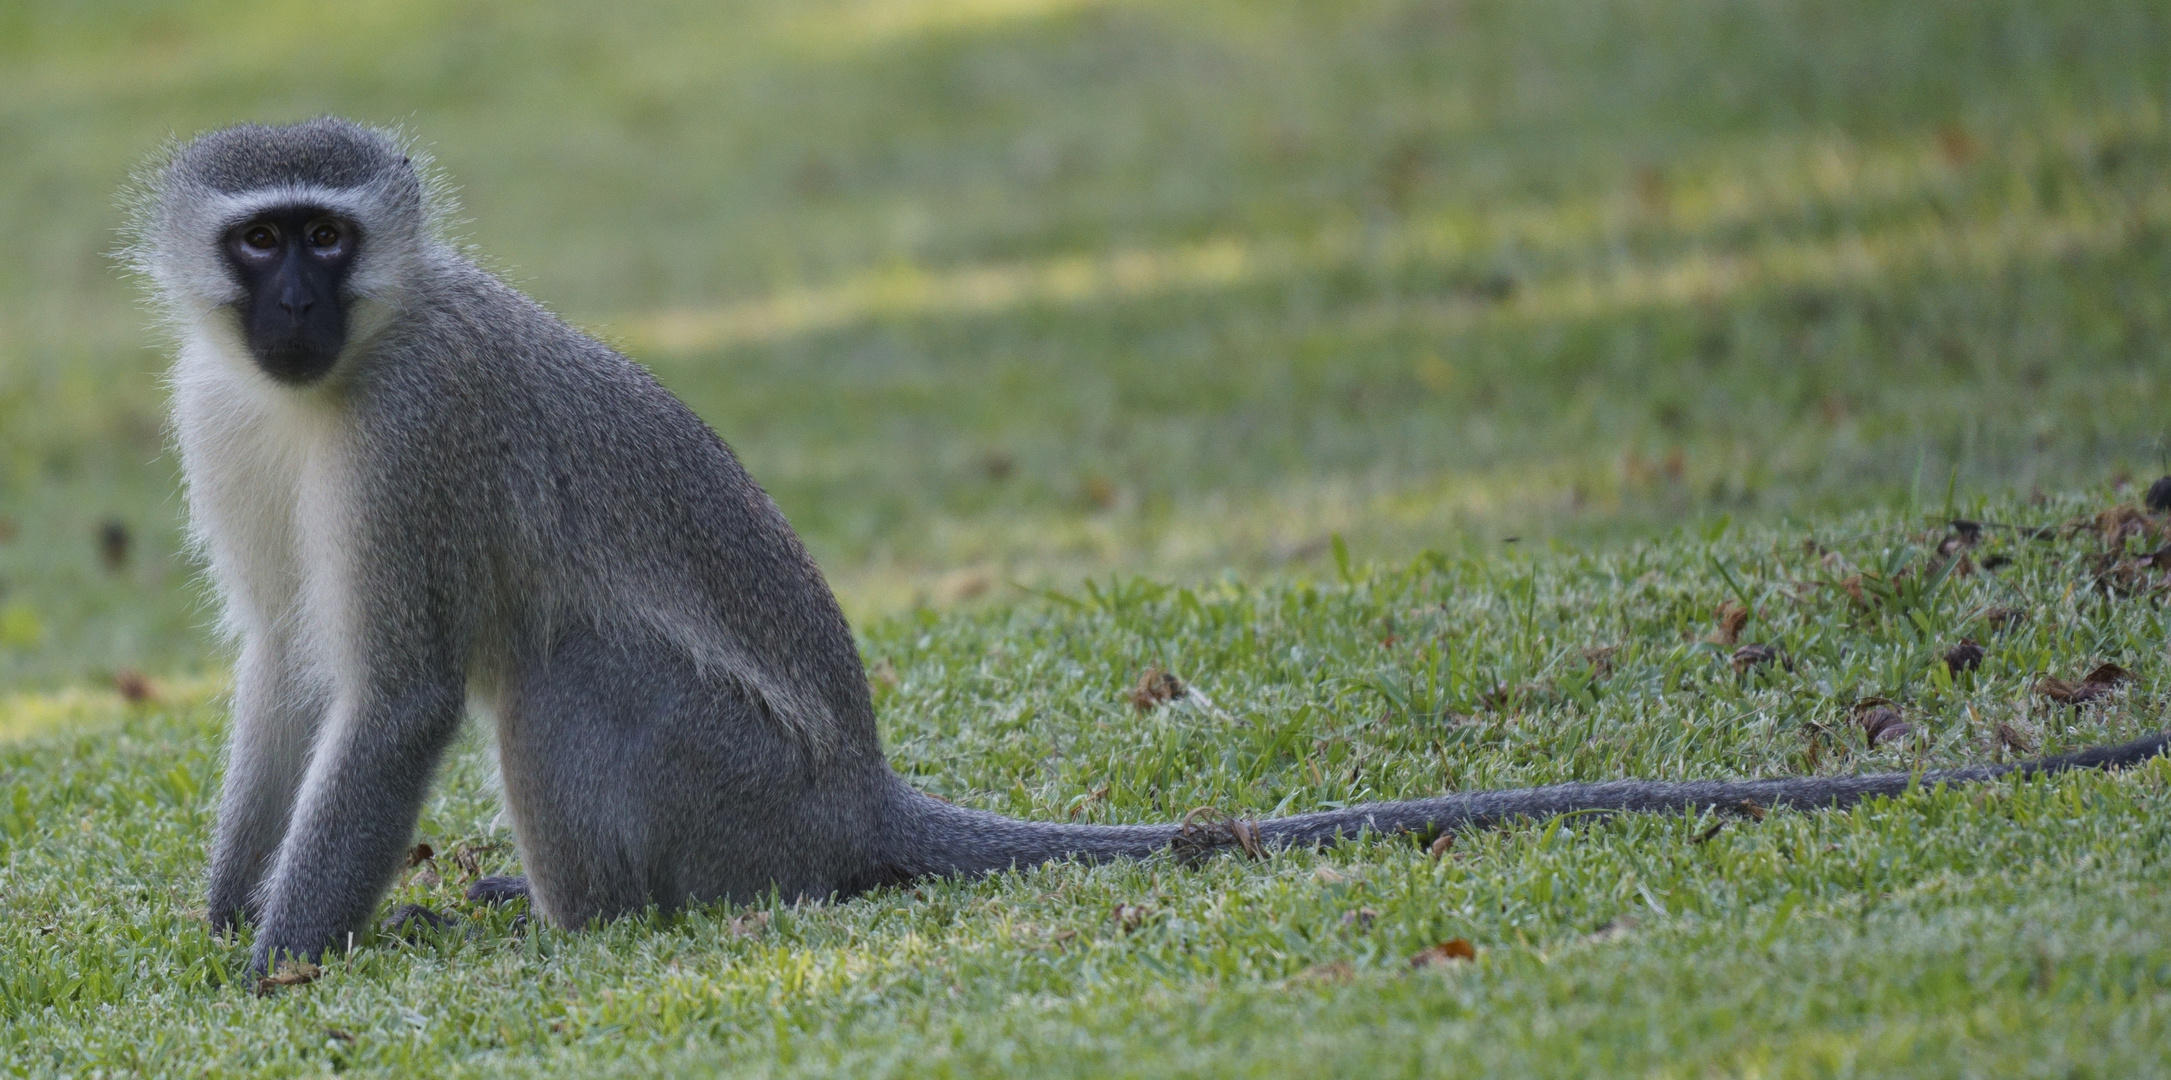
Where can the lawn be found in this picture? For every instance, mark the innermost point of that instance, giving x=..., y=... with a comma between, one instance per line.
x=1416, y=380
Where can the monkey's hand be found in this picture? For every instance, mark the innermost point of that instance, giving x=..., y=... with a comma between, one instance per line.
x=227, y=918
x=234, y=898
x=498, y=891
x=414, y=922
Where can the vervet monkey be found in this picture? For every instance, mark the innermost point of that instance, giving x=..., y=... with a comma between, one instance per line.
x=416, y=489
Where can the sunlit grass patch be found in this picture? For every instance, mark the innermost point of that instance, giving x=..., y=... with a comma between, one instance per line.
x=1745, y=221
x=864, y=23
x=79, y=708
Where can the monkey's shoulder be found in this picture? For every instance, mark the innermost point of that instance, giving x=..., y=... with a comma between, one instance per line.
x=481, y=336
x=489, y=392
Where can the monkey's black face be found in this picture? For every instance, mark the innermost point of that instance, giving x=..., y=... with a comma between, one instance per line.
x=292, y=261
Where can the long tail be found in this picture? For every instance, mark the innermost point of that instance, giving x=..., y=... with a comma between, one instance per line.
x=938, y=838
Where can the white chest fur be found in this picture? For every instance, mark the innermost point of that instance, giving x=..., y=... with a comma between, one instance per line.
x=264, y=465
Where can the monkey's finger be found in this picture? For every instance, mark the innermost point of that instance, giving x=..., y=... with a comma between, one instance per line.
x=498, y=891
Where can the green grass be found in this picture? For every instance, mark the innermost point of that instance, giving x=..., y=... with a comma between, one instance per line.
x=1083, y=336
x=2018, y=929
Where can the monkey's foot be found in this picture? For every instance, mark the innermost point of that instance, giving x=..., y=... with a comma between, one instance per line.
x=408, y=922
x=498, y=891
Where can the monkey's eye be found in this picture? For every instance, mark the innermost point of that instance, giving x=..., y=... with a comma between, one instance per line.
x=324, y=234
x=260, y=237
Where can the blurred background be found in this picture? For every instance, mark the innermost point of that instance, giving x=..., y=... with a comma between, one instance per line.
x=998, y=292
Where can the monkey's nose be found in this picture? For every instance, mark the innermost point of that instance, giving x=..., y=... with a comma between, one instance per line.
x=296, y=307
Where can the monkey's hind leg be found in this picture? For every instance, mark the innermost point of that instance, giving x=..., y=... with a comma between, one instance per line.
x=634, y=778
x=576, y=754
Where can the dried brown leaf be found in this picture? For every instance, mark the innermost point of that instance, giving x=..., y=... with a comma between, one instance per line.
x=1600, y=658
x=290, y=972
x=1442, y=845
x=1749, y=656
x=134, y=688
x=421, y=853
x=1097, y=795
x=468, y=857
x=1443, y=953
x=1731, y=618
x=1853, y=584
x=2117, y=576
x=1966, y=656
x=2093, y=686
x=2014, y=739
x=2119, y=523
x=1207, y=830
x=2107, y=675
x=1129, y=917
x=2067, y=693
x=1156, y=688
x=1880, y=721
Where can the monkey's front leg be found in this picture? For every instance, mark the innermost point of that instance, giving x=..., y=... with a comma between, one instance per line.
x=276, y=714
x=356, y=812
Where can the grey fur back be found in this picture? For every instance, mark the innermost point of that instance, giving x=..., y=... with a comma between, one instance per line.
x=573, y=487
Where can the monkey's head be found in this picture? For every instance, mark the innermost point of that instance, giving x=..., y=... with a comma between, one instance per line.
x=294, y=241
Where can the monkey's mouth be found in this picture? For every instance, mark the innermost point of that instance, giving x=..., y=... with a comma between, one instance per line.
x=300, y=354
